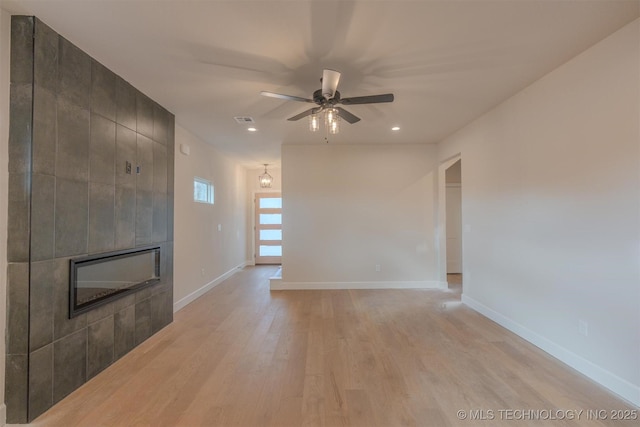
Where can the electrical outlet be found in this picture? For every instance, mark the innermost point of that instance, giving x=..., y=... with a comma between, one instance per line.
x=378, y=267
x=219, y=227
x=202, y=272
x=583, y=327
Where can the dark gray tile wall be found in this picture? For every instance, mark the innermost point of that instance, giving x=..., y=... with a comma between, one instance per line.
x=71, y=217
x=46, y=49
x=103, y=91
x=69, y=364
x=44, y=131
x=41, y=309
x=101, y=217
x=40, y=380
x=75, y=126
x=17, y=308
x=74, y=73
x=20, y=143
x=126, y=113
x=102, y=148
x=100, y=346
x=22, y=43
x=124, y=330
x=125, y=219
x=17, y=387
x=72, y=151
x=43, y=188
x=144, y=111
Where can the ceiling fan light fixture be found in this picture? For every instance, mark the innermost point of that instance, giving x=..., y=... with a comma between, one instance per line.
x=265, y=179
x=326, y=98
x=330, y=115
x=332, y=120
x=335, y=126
x=314, y=122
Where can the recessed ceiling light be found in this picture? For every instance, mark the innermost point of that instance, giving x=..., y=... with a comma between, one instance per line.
x=395, y=128
x=252, y=129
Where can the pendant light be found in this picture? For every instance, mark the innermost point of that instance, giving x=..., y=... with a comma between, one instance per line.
x=265, y=179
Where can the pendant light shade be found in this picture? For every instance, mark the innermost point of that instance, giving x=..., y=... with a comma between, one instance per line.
x=332, y=120
x=314, y=123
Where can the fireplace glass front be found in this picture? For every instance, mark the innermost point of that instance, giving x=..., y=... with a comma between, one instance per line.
x=98, y=279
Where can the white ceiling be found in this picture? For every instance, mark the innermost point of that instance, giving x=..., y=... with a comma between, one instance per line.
x=447, y=62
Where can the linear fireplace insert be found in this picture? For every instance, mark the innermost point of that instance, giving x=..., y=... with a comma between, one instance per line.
x=97, y=279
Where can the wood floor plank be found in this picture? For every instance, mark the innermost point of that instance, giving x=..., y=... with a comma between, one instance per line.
x=242, y=355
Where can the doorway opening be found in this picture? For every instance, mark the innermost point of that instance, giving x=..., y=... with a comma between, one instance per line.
x=453, y=207
x=450, y=222
x=268, y=228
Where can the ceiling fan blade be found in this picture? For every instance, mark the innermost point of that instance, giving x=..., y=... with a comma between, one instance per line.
x=304, y=114
x=285, y=97
x=347, y=115
x=330, y=79
x=370, y=99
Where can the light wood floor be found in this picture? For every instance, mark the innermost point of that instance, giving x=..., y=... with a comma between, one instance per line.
x=244, y=356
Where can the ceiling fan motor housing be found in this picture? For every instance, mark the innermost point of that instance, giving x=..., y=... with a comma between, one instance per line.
x=319, y=98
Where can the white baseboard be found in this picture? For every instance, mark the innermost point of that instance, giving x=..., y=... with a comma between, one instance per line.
x=179, y=305
x=278, y=285
x=619, y=386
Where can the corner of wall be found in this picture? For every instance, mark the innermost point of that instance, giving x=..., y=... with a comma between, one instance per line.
x=5, y=40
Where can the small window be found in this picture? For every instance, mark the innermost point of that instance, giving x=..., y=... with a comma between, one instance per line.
x=202, y=190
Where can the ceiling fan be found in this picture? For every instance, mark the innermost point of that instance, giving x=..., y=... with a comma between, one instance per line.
x=328, y=97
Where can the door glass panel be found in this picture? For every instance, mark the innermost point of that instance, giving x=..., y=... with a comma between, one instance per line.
x=270, y=250
x=270, y=234
x=270, y=218
x=271, y=203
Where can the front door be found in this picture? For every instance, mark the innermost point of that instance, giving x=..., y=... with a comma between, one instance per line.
x=268, y=249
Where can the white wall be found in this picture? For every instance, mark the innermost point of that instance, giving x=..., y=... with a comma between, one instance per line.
x=203, y=254
x=348, y=208
x=551, y=208
x=5, y=38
